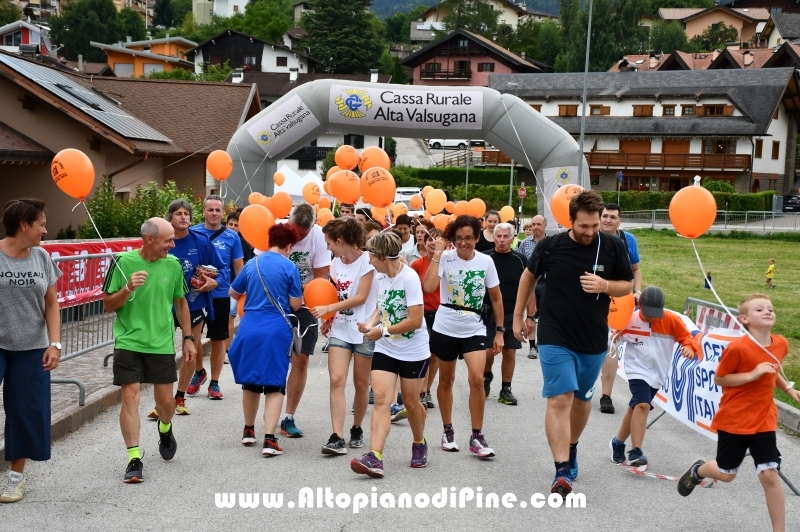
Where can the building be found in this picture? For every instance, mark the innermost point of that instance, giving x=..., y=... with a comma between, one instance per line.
x=135, y=131
x=731, y=57
x=141, y=58
x=464, y=58
x=202, y=11
x=511, y=14
x=747, y=21
x=14, y=34
x=660, y=129
x=773, y=6
x=781, y=28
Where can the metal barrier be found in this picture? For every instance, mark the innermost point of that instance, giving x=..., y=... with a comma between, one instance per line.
x=755, y=221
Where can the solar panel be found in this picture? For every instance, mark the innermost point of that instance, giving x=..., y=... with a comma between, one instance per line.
x=90, y=103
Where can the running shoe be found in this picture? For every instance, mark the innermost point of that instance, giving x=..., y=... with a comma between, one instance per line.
x=636, y=458
x=428, y=400
x=335, y=445
x=398, y=412
x=167, y=445
x=506, y=397
x=152, y=414
x=533, y=353
x=561, y=483
x=15, y=490
x=289, y=429
x=688, y=480
x=606, y=406
x=573, y=463
x=371, y=396
x=478, y=445
x=487, y=383
x=248, y=436
x=356, y=438
x=617, y=450
x=271, y=448
x=180, y=406
x=198, y=379
x=419, y=454
x=134, y=473
x=368, y=465
x=214, y=391
x=449, y=440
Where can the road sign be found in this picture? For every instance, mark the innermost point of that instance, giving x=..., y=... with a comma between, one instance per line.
x=619, y=176
x=522, y=192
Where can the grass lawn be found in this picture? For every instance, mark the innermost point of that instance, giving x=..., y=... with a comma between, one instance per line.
x=738, y=268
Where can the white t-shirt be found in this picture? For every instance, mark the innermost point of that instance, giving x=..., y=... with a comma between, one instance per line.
x=394, y=296
x=311, y=252
x=464, y=283
x=347, y=278
x=408, y=244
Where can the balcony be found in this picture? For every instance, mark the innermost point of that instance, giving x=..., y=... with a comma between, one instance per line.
x=311, y=153
x=460, y=73
x=660, y=161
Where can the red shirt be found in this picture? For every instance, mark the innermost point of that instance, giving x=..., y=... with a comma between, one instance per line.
x=431, y=301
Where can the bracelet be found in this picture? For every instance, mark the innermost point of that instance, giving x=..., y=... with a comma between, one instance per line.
x=788, y=387
x=606, y=291
x=434, y=260
x=529, y=318
x=126, y=288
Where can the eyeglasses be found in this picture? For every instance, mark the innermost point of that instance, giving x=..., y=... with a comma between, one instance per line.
x=467, y=239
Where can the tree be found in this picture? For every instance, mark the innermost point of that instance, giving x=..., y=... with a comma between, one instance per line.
x=341, y=34
x=658, y=4
x=268, y=19
x=626, y=33
x=132, y=24
x=714, y=37
x=398, y=26
x=667, y=38
x=211, y=73
x=550, y=43
x=9, y=12
x=84, y=21
x=180, y=8
x=163, y=14
x=477, y=16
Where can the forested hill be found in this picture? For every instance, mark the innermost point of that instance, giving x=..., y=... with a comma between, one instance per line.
x=387, y=8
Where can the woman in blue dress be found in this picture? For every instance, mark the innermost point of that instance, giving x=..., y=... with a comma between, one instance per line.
x=260, y=352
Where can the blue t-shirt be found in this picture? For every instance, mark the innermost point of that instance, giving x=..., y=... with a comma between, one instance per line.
x=633, y=248
x=229, y=248
x=281, y=277
x=187, y=251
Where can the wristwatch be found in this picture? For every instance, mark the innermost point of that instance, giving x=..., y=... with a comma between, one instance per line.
x=500, y=329
x=385, y=332
x=57, y=345
x=188, y=337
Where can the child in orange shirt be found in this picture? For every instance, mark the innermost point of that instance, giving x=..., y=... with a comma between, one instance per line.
x=747, y=417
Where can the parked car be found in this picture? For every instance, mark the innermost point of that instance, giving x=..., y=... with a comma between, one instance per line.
x=791, y=203
x=438, y=144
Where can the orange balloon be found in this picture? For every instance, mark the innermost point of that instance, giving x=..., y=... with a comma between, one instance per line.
x=373, y=156
x=378, y=213
x=320, y=292
x=452, y=218
x=346, y=157
x=462, y=208
x=450, y=207
x=324, y=203
x=254, y=224
x=266, y=201
x=254, y=198
x=378, y=186
x=440, y=221
x=324, y=215
x=240, y=306
x=316, y=207
x=399, y=209
x=435, y=201
x=219, y=164
x=416, y=201
x=506, y=214
x=332, y=170
x=620, y=311
x=476, y=207
x=326, y=186
x=559, y=205
x=311, y=193
x=692, y=210
x=346, y=186
x=73, y=172
x=279, y=178
x=426, y=214
x=425, y=191
x=281, y=204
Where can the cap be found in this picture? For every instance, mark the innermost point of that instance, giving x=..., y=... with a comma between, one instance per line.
x=651, y=301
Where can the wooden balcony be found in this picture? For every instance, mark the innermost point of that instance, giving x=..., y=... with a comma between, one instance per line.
x=660, y=161
x=461, y=73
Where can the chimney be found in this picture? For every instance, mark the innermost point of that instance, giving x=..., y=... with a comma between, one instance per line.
x=373, y=75
x=128, y=38
x=292, y=75
x=714, y=54
x=80, y=63
x=237, y=76
x=653, y=61
x=748, y=58
x=522, y=55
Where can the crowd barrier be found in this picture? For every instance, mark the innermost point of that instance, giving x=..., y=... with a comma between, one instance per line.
x=754, y=221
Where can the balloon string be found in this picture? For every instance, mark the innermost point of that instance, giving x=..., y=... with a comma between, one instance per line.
x=105, y=245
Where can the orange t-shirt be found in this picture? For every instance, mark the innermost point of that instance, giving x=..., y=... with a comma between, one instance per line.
x=430, y=301
x=749, y=408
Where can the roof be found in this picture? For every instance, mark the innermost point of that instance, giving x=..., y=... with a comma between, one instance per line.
x=97, y=69
x=638, y=62
x=519, y=9
x=736, y=86
x=277, y=84
x=688, y=13
x=20, y=24
x=229, y=32
x=787, y=24
x=149, y=42
x=539, y=13
x=14, y=146
x=297, y=33
x=123, y=50
x=686, y=61
x=758, y=56
x=787, y=54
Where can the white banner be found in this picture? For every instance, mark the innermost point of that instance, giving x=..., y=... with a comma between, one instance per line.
x=283, y=125
x=433, y=109
x=555, y=178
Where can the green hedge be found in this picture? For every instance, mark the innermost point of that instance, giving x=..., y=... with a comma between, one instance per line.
x=647, y=201
x=454, y=176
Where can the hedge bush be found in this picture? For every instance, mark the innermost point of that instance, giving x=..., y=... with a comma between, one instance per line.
x=647, y=201
x=454, y=176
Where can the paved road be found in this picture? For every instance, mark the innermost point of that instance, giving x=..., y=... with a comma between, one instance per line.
x=413, y=153
x=81, y=487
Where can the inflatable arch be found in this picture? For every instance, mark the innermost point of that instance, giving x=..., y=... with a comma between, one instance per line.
x=414, y=111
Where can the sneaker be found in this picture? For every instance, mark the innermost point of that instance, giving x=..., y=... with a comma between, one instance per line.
x=617, y=450
x=135, y=472
x=248, y=436
x=398, y=412
x=506, y=397
x=214, y=391
x=180, y=406
x=152, y=414
x=606, y=406
x=371, y=397
x=573, y=463
x=428, y=400
x=636, y=458
x=688, y=480
x=198, y=379
x=533, y=353
x=325, y=347
x=419, y=454
x=561, y=483
x=167, y=445
x=487, y=383
x=356, y=438
x=15, y=490
x=335, y=445
x=479, y=446
x=367, y=465
x=289, y=429
x=271, y=448
x=449, y=440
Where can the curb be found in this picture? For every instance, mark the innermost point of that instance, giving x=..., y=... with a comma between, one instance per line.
x=788, y=416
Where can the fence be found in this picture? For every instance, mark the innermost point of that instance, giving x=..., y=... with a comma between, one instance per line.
x=754, y=221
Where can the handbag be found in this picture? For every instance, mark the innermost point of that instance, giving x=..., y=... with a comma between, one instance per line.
x=297, y=337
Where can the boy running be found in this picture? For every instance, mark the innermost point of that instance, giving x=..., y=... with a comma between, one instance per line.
x=770, y=273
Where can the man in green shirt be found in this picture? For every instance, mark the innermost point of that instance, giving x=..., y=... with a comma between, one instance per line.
x=141, y=287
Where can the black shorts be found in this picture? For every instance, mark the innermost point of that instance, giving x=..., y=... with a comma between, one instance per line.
x=217, y=329
x=308, y=328
x=732, y=449
x=195, y=316
x=641, y=392
x=449, y=348
x=132, y=367
x=509, y=342
x=430, y=317
x=406, y=369
x=257, y=388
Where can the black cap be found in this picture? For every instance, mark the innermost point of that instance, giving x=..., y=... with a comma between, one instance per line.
x=651, y=301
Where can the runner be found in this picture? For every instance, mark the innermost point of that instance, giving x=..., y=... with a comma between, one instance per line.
x=486, y=241
x=509, y=265
x=144, y=349
x=402, y=224
x=347, y=210
x=458, y=330
x=230, y=251
x=421, y=227
x=573, y=323
x=352, y=274
x=401, y=351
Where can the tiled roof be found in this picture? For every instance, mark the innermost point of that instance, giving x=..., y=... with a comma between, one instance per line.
x=682, y=13
x=678, y=13
x=628, y=62
x=758, y=13
x=787, y=24
x=14, y=146
x=148, y=55
x=759, y=55
x=277, y=84
x=297, y=33
x=91, y=68
x=696, y=61
x=505, y=52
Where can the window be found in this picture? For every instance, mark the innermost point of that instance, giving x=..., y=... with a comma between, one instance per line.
x=567, y=110
x=776, y=149
x=537, y=107
x=642, y=110
x=719, y=146
x=432, y=67
x=668, y=110
x=774, y=10
x=149, y=68
x=759, y=148
x=687, y=110
x=122, y=196
x=485, y=67
x=463, y=43
x=356, y=141
x=599, y=110
x=306, y=164
x=13, y=39
x=123, y=70
x=235, y=9
x=281, y=61
x=713, y=110
x=594, y=180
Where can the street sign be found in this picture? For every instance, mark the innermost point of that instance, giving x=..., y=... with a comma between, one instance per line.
x=619, y=176
x=522, y=192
